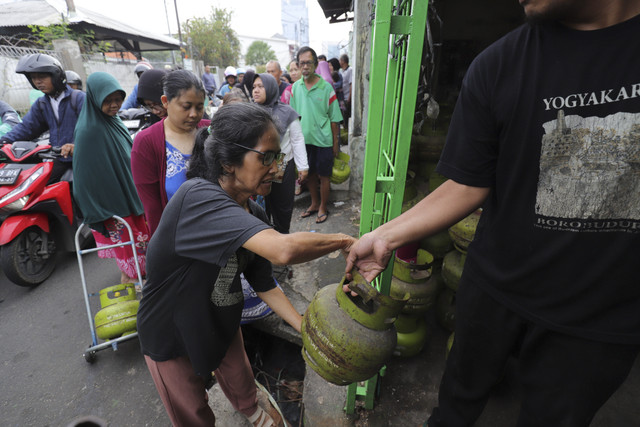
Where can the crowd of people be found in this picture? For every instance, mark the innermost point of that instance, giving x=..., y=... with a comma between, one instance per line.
x=186, y=186
x=532, y=288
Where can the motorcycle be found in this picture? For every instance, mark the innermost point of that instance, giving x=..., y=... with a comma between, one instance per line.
x=137, y=119
x=37, y=218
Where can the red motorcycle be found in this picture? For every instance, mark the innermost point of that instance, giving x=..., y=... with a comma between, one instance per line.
x=37, y=219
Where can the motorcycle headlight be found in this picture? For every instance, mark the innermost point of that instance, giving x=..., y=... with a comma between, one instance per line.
x=16, y=205
x=23, y=186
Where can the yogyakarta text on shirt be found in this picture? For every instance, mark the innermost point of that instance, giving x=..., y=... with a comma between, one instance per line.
x=592, y=98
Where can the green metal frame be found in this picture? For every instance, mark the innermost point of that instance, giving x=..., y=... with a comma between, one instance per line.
x=398, y=31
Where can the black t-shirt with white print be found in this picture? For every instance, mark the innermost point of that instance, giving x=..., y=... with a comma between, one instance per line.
x=549, y=118
x=192, y=301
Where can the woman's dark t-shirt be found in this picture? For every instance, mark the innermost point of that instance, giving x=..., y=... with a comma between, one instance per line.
x=192, y=301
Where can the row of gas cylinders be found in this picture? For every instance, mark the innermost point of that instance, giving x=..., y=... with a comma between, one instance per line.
x=348, y=338
x=119, y=310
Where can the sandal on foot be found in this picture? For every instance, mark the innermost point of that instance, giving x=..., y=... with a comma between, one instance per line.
x=322, y=218
x=308, y=213
x=268, y=406
x=261, y=419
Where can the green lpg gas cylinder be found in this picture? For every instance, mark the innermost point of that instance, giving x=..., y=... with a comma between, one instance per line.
x=415, y=279
x=422, y=296
x=452, y=267
x=412, y=334
x=341, y=170
x=436, y=180
x=348, y=339
x=116, y=319
x=429, y=146
x=438, y=244
x=117, y=293
x=462, y=232
x=413, y=272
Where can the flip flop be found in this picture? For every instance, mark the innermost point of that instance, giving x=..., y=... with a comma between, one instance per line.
x=263, y=391
x=308, y=213
x=322, y=218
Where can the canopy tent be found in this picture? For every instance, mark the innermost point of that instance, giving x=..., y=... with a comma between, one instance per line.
x=15, y=16
x=337, y=10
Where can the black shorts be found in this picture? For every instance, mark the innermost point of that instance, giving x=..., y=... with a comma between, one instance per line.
x=320, y=160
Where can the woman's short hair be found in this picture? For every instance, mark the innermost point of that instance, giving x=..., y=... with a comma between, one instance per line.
x=239, y=123
x=234, y=95
x=179, y=81
x=334, y=63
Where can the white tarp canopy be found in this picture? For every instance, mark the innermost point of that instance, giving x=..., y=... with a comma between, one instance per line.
x=15, y=16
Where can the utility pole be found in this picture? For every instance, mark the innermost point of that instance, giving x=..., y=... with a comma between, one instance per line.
x=71, y=7
x=166, y=14
x=189, y=39
x=175, y=4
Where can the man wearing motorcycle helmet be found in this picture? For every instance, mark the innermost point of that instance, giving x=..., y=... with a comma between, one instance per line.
x=150, y=92
x=230, y=77
x=57, y=111
x=240, y=75
x=73, y=79
x=132, y=99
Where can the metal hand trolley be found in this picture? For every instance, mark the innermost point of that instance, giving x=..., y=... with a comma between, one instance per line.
x=90, y=352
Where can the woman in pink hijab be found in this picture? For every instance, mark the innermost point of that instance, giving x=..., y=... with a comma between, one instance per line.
x=323, y=70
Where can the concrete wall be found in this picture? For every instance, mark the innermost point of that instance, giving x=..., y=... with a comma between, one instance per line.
x=360, y=61
x=16, y=90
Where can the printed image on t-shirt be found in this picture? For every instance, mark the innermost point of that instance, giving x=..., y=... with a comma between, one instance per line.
x=222, y=295
x=590, y=174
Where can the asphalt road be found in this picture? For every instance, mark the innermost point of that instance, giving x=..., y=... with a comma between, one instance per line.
x=44, y=379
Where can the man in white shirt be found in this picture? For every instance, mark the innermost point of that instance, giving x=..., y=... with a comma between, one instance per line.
x=347, y=78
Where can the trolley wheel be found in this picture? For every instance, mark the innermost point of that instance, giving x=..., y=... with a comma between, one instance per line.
x=90, y=356
x=26, y=261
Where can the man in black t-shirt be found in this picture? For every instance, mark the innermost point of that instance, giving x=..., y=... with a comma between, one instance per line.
x=546, y=138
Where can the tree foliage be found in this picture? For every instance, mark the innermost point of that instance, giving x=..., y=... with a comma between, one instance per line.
x=259, y=53
x=212, y=38
x=43, y=37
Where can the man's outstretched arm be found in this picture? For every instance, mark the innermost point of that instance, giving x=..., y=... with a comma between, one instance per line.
x=442, y=208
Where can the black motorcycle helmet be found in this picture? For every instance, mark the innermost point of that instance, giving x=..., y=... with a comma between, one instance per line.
x=41, y=63
x=150, y=86
x=73, y=78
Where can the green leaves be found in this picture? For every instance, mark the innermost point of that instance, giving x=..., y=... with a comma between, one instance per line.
x=259, y=53
x=212, y=38
x=44, y=36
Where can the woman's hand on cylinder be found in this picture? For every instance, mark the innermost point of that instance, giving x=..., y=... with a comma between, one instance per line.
x=348, y=244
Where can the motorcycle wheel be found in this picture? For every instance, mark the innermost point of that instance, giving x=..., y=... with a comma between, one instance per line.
x=22, y=259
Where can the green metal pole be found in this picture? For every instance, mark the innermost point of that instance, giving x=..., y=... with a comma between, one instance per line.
x=396, y=53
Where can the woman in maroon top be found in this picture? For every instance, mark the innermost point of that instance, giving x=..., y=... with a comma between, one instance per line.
x=183, y=99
